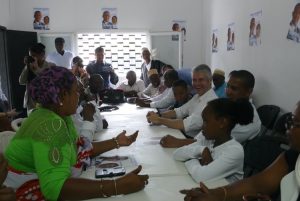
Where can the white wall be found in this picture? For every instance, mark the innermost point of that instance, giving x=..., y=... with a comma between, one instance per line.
x=4, y=13
x=154, y=15
x=275, y=64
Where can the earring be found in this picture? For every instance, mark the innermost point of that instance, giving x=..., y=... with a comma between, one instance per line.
x=60, y=103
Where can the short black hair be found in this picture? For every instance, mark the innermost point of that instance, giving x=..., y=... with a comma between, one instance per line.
x=238, y=112
x=180, y=83
x=59, y=40
x=38, y=48
x=171, y=74
x=246, y=77
x=99, y=49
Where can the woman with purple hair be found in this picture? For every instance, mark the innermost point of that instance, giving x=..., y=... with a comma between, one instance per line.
x=44, y=150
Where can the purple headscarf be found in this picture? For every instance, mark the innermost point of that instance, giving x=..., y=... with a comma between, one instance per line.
x=46, y=87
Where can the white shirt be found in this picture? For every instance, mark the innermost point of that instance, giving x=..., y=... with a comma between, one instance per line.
x=247, y=132
x=192, y=110
x=164, y=100
x=87, y=128
x=151, y=91
x=228, y=160
x=138, y=86
x=148, y=66
x=61, y=60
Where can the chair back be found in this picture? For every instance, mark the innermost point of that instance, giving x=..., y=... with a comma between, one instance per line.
x=5, y=138
x=268, y=115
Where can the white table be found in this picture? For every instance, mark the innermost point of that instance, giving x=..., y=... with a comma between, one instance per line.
x=166, y=176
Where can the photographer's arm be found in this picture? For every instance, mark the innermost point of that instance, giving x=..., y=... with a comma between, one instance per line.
x=23, y=77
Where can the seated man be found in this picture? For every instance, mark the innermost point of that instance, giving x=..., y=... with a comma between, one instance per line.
x=239, y=86
x=188, y=117
x=181, y=94
x=166, y=99
x=131, y=87
x=104, y=69
x=219, y=82
x=155, y=87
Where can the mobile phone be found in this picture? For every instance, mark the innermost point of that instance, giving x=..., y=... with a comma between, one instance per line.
x=256, y=198
x=109, y=172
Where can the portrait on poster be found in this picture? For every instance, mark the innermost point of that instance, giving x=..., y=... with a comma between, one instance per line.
x=179, y=26
x=255, y=28
x=109, y=18
x=294, y=24
x=230, y=37
x=214, y=43
x=41, y=19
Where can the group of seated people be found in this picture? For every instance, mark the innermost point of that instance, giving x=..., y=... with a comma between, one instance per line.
x=54, y=144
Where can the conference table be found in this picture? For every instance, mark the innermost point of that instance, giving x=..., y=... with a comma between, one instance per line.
x=166, y=175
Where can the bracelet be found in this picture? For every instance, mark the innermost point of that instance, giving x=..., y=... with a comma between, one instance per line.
x=115, y=182
x=225, y=192
x=117, y=143
x=101, y=190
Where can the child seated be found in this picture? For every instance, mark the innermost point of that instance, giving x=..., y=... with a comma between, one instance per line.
x=216, y=155
x=181, y=93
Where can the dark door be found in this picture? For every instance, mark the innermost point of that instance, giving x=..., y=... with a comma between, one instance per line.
x=3, y=70
x=18, y=43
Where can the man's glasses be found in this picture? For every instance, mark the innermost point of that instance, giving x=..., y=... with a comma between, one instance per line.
x=290, y=123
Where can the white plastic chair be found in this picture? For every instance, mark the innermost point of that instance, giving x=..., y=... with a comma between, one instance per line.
x=16, y=123
x=5, y=138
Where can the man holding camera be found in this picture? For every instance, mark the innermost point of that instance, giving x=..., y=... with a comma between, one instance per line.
x=34, y=64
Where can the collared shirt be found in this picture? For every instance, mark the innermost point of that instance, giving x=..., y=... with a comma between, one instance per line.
x=221, y=90
x=148, y=66
x=151, y=91
x=105, y=70
x=228, y=160
x=107, y=25
x=64, y=60
x=192, y=110
x=164, y=100
x=294, y=33
x=138, y=86
x=241, y=133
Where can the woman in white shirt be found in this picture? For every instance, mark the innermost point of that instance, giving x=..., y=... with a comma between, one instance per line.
x=216, y=155
x=283, y=173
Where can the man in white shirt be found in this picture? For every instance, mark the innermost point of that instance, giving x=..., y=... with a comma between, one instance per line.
x=155, y=87
x=188, y=117
x=240, y=85
x=166, y=99
x=61, y=57
x=131, y=87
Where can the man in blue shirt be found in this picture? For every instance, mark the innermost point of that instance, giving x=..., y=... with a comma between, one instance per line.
x=99, y=66
x=219, y=82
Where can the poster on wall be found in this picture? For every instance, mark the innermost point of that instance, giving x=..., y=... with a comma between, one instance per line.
x=255, y=28
x=214, y=43
x=41, y=19
x=179, y=26
x=230, y=37
x=109, y=18
x=294, y=29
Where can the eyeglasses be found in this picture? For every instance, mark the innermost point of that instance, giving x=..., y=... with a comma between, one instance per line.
x=290, y=123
